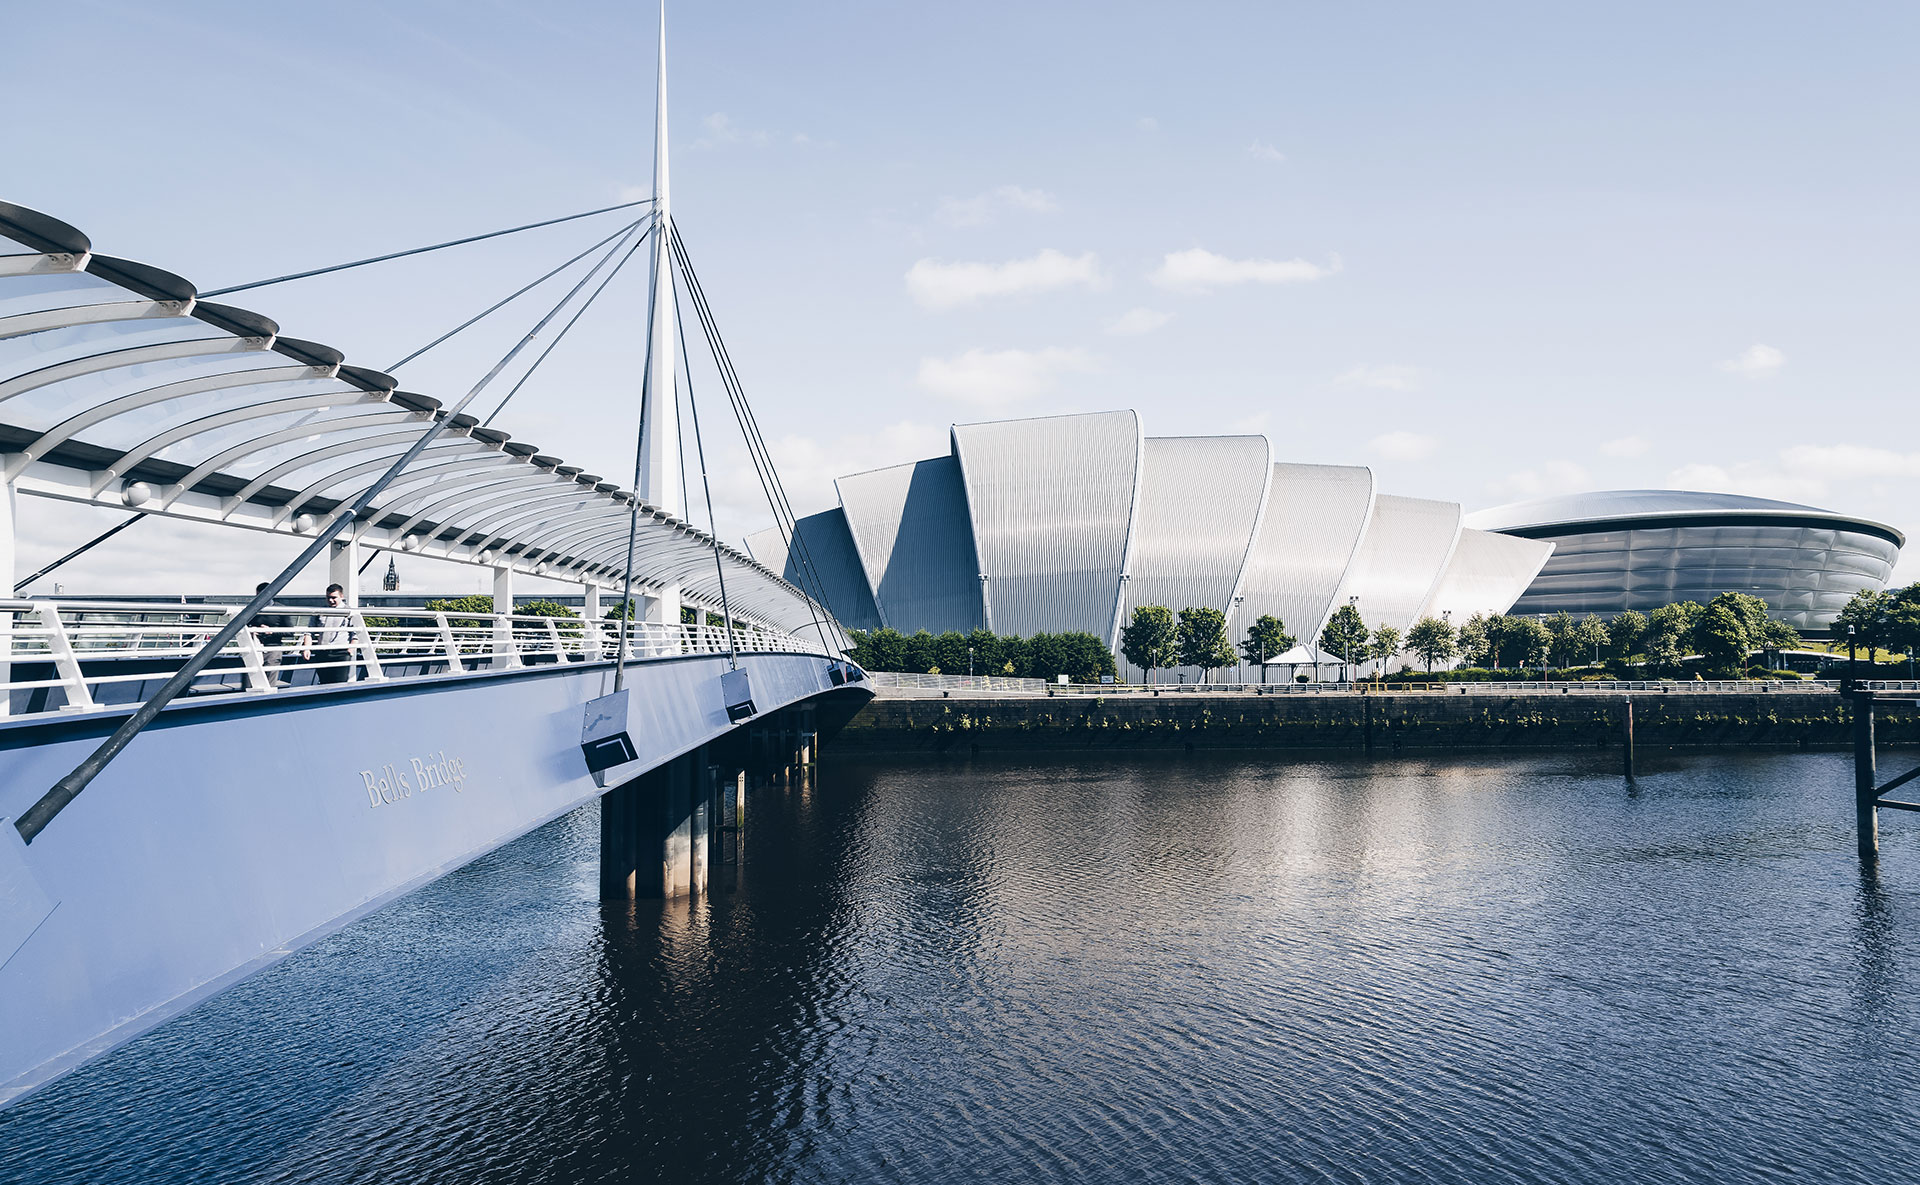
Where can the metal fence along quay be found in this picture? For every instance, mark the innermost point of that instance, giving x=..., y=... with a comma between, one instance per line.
x=79, y=656
x=905, y=685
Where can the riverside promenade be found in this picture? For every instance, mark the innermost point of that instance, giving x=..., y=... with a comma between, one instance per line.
x=936, y=715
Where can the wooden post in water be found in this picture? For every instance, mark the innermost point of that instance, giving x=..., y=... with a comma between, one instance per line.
x=1865, y=775
x=1626, y=726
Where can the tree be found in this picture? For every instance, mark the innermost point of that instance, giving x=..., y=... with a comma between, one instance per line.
x=1345, y=635
x=917, y=653
x=1862, y=621
x=1083, y=657
x=1565, y=647
x=950, y=652
x=1670, y=632
x=1201, y=639
x=1267, y=638
x=1475, y=645
x=880, y=650
x=1902, y=629
x=1385, y=646
x=1509, y=640
x=1721, y=637
x=986, y=658
x=1625, y=633
x=1590, y=637
x=1148, y=639
x=1534, y=641
x=1433, y=640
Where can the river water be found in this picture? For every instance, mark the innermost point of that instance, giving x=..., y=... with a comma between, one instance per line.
x=1151, y=969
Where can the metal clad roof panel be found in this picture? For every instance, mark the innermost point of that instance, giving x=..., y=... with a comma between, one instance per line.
x=909, y=527
x=1200, y=500
x=1401, y=558
x=1486, y=575
x=841, y=583
x=1052, y=503
x=1315, y=517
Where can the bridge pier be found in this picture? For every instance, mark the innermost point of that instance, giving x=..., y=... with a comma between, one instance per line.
x=663, y=833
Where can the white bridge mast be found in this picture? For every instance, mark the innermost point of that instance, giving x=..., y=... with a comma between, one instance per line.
x=660, y=483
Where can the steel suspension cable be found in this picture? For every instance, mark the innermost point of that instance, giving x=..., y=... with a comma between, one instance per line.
x=700, y=451
x=756, y=445
x=762, y=458
x=633, y=492
x=503, y=303
x=341, y=267
x=568, y=327
x=84, y=548
x=36, y=817
x=812, y=587
x=784, y=517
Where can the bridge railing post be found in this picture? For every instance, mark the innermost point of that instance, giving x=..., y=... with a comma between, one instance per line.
x=364, y=642
x=449, y=648
x=72, y=679
x=252, y=660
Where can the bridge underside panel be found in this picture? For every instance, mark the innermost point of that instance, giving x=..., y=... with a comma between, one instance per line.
x=229, y=835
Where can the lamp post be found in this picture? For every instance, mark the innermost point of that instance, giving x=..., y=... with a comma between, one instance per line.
x=1243, y=629
x=1352, y=673
x=1546, y=659
x=1850, y=667
x=969, y=661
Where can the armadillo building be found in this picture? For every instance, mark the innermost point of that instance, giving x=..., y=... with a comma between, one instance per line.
x=1070, y=522
x=1639, y=549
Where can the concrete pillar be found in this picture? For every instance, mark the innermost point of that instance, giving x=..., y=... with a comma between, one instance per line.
x=664, y=607
x=343, y=568
x=503, y=630
x=647, y=831
x=590, y=614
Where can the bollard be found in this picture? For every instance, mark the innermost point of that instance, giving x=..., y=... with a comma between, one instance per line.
x=1626, y=722
x=1865, y=775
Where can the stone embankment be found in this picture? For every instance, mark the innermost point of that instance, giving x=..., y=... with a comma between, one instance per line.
x=1381, y=722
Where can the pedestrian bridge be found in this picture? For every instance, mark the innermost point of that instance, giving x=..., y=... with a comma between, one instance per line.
x=268, y=801
x=263, y=811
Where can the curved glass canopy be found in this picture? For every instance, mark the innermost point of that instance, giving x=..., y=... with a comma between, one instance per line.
x=119, y=386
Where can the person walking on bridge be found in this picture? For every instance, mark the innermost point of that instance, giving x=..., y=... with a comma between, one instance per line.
x=332, y=634
x=278, y=634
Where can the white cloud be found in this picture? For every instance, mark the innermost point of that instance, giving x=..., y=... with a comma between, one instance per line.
x=937, y=285
x=1760, y=479
x=1848, y=461
x=1754, y=362
x=1626, y=446
x=1261, y=150
x=1549, y=477
x=1384, y=378
x=1134, y=322
x=1404, y=446
x=1147, y=123
x=991, y=378
x=722, y=130
x=1803, y=472
x=1198, y=270
x=980, y=209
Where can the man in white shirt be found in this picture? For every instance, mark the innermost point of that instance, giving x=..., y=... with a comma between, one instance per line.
x=332, y=636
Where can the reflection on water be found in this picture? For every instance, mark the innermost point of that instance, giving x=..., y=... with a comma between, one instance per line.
x=1161, y=969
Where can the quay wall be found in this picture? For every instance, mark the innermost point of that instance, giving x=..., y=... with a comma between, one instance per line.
x=1380, y=721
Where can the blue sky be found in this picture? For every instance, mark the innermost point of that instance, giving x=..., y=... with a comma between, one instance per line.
x=1493, y=250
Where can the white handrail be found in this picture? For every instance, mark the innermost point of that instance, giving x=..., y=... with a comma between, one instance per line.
x=76, y=656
